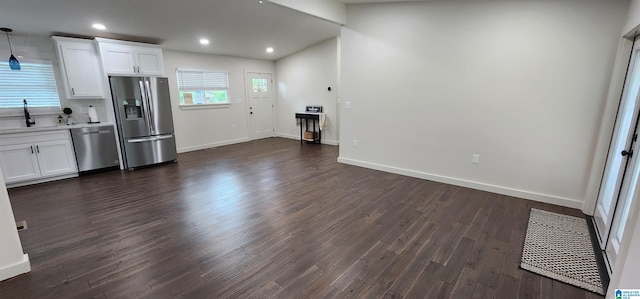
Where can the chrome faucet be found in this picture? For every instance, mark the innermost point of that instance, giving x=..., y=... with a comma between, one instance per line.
x=30, y=121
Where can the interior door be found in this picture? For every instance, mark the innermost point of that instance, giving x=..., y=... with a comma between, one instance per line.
x=261, y=105
x=623, y=206
x=618, y=186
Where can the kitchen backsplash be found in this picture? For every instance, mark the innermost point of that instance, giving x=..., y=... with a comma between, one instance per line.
x=80, y=115
x=43, y=48
x=30, y=47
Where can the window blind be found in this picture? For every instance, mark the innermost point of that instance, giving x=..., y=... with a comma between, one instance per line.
x=189, y=80
x=35, y=82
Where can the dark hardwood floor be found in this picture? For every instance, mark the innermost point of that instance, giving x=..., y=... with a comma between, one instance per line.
x=272, y=218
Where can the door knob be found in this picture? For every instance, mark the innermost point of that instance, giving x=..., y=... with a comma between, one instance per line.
x=251, y=112
x=625, y=153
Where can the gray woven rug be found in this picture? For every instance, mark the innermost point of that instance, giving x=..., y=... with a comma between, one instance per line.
x=559, y=246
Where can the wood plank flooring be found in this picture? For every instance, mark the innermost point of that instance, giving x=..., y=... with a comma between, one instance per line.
x=272, y=219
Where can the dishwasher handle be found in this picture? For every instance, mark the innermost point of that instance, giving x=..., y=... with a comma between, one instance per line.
x=96, y=132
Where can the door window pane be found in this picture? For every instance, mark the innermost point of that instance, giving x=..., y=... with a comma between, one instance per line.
x=259, y=85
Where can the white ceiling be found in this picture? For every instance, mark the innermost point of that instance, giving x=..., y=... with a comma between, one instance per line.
x=242, y=28
x=379, y=1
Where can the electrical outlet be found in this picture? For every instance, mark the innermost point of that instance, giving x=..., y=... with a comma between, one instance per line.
x=475, y=159
x=21, y=225
x=355, y=143
x=347, y=105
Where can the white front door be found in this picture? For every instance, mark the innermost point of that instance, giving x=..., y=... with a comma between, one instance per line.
x=261, y=105
x=622, y=169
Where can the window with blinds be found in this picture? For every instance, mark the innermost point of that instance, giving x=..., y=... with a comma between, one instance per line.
x=202, y=87
x=34, y=82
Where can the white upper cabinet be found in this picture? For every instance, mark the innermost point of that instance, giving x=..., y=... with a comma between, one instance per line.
x=117, y=59
x=80, y=68
x=126, y=58
x=150, y=61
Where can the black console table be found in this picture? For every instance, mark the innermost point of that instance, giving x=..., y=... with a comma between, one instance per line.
x=314, y=118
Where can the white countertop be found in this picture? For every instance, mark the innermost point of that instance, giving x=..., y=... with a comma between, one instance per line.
x=51, y=128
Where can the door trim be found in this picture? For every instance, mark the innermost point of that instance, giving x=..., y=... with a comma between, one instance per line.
x=605, y=132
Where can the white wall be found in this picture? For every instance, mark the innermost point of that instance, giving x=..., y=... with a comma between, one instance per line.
x=303, y=79
x=12, y=261
x=42, y=48
x=330, y=10
x=205, y=128
x=521, y=83
x=633, y=18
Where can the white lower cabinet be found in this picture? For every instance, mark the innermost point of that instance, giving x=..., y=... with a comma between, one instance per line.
x=19, y=163
x=37, y=157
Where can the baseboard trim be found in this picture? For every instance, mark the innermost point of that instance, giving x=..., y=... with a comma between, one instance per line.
x=43, y=180
x=297, y=137
x=210, y=145
x=561, y=201
x=16, y=269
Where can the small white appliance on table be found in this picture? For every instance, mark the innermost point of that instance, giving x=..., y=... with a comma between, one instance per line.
x=316, y=116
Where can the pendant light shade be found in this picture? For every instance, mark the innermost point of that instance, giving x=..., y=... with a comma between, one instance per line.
x=14, y=64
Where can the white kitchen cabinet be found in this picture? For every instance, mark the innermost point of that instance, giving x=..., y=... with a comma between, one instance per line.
x=19, y=163
x=55, y=157
x=80, y=68
x=37, y=157
x=149, y=61
x=126, y=58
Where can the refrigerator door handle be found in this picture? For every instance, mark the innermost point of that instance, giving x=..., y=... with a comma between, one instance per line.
x=138, y=140
x=149, y=101
x=147, y=109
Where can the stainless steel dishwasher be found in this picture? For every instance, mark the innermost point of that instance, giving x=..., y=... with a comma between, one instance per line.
x=95, y=148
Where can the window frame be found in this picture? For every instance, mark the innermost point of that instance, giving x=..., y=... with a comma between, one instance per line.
x=49, y=110
x=203, y=105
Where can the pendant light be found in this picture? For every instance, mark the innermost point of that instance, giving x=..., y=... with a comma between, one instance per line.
x=14, y=64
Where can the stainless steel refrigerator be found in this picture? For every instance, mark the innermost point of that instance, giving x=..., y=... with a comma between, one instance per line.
x=145, y=123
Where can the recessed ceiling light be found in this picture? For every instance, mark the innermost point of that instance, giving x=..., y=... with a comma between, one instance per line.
x=269, y=50
x=204, y=41
x=260, y=1
x=99, y=26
